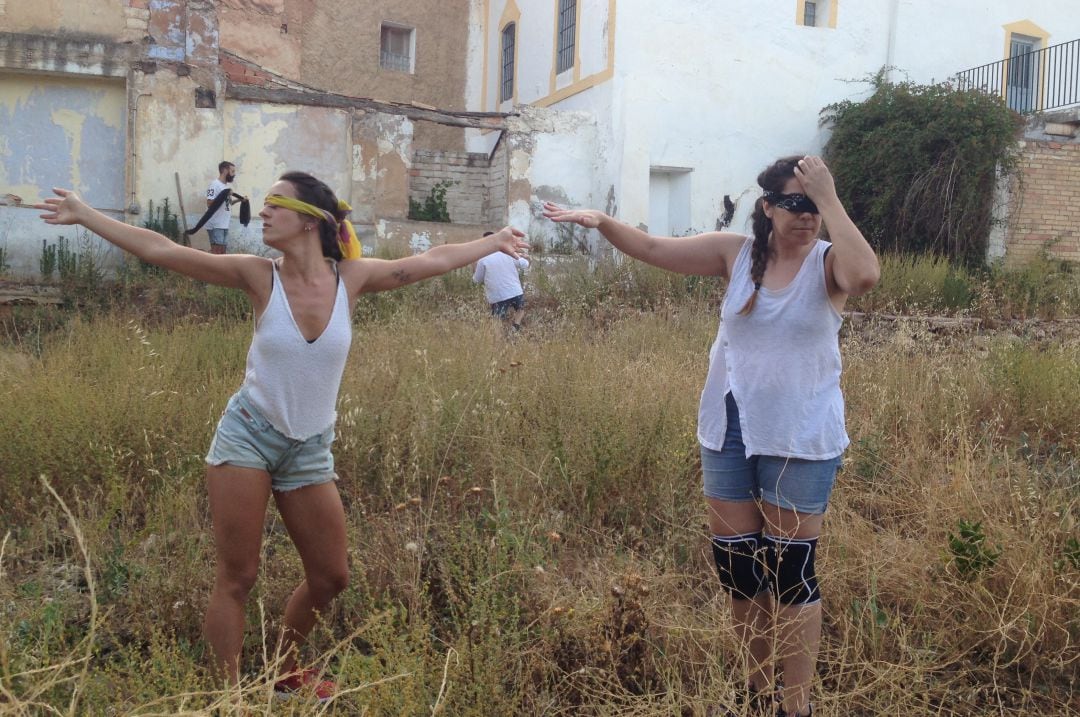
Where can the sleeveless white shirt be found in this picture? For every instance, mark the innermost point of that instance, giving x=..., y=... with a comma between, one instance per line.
x=293, y=383
x=781, y=363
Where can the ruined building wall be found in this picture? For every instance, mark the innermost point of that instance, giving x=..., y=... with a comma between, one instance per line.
x=334, y=46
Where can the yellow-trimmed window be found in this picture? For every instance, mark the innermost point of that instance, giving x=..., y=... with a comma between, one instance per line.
x=816, y=13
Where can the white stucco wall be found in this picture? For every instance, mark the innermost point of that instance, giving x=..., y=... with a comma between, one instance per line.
x=935, y=40
x=722, y=88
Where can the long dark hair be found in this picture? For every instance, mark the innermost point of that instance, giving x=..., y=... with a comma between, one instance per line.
x=772, y=179
x=314, y=191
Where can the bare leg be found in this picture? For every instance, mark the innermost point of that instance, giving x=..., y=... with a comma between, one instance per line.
x=752, y=618
x=315, y=520
x=516, y=315
x=798, y=626
x=238, y=498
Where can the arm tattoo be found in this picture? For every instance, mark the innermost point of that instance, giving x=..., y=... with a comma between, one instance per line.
x=402, y=276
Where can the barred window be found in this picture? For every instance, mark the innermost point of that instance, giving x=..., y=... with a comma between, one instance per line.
x=567, y=34
x=507, y=83
x=810, y=14
x=396, y=49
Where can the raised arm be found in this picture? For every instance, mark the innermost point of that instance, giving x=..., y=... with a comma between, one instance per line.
x=709, y=254
x=370, y=275
x=851, y=264
x=236, y=271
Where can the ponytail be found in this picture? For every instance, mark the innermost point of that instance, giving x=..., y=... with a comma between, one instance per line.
x=759, y=252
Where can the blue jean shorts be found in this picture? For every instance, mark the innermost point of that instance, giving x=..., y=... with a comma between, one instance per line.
x=218, y=236
x=245, y=438
x=502, y=308
x=794, y=484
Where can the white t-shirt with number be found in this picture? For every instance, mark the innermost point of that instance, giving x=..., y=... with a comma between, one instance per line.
x=220, y=220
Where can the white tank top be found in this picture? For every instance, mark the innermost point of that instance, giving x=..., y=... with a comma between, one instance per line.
x=781, y=363
x=292, y=382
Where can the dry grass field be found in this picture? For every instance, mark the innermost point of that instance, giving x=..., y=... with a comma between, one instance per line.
x=525, y=515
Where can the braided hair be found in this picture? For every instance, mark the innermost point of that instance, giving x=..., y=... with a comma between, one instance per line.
x=772, y=179
x=315, y=192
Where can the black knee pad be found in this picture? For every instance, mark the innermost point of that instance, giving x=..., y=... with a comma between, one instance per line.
x=791, y=569
x=740, y=561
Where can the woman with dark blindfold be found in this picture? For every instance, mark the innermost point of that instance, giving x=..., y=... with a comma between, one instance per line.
x=771, y=419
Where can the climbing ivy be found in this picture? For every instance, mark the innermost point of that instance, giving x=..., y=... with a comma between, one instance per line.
x=917, y=165
x=433, y=208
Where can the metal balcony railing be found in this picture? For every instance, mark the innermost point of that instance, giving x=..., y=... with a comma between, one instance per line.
x=1031, y=81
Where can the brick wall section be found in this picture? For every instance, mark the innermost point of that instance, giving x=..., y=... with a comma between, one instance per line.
x=470, y=199
x=1044, y=212
x=136, y=19
x=244, y=72
x=497, y=185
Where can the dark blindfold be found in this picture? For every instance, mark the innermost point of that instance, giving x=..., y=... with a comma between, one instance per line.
x=796, y=203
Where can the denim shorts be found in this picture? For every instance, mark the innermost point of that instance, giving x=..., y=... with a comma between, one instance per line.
x=245, y=438
x=795, y=484
x=218, y=236
x=502, y=308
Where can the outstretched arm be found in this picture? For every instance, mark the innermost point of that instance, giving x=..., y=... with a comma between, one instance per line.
x=380, y=275
x=854, y=266
x=709, y=254
x=236, y=271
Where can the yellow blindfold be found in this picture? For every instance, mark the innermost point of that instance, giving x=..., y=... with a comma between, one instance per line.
x=347, y=241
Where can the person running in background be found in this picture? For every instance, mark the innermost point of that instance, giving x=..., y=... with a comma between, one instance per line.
x=502, y=286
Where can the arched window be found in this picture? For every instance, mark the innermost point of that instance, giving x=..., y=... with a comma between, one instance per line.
x=506, y=84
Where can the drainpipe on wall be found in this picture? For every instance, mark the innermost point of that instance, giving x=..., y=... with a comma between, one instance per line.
x=890, y=49
x=134, y=207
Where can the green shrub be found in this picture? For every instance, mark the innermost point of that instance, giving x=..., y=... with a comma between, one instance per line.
x=917, y=166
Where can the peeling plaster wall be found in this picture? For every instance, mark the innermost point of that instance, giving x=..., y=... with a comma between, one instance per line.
x=541, y=145
x=65, y=132
x=172, y=136
x=381, y=159
x=265, y=141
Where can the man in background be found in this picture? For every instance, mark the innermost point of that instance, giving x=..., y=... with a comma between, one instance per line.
x=498, y=273
x=218, y=224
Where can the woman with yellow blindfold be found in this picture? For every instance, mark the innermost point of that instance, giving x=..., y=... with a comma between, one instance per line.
x=276, y=432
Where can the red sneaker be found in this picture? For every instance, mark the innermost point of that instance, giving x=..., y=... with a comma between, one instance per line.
x=305, y=684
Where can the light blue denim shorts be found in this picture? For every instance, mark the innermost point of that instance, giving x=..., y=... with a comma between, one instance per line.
x=245, y=438
x=795, y=484
x=218, y=236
